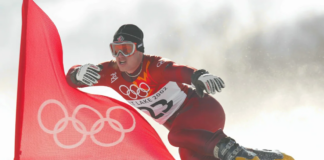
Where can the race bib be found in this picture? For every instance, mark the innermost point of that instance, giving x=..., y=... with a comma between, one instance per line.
x=163, y=103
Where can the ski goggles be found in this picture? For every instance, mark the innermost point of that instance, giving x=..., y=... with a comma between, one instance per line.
x=125, y=48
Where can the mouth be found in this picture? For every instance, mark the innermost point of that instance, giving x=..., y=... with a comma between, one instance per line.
x=122, y=62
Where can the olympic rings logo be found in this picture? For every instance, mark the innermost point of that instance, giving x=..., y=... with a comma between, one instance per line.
x=80, y=127
x=138, y=91
x=160, y=63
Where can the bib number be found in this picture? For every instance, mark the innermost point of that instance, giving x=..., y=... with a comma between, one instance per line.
x=161, y=102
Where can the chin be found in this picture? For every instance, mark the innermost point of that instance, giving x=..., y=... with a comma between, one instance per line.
x=122, y=69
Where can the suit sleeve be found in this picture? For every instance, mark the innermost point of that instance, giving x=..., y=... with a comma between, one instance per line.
x=164, y=70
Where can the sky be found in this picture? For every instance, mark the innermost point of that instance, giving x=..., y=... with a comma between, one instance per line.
x=269, y=53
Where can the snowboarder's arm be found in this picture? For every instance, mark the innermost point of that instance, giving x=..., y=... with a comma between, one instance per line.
x=164, y=70
x=201, y=79
x=178, y=73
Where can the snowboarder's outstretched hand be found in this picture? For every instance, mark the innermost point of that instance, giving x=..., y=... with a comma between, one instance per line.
x=88, y=74
x=202, y=80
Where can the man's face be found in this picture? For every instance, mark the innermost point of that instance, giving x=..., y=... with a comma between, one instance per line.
x=129, y=64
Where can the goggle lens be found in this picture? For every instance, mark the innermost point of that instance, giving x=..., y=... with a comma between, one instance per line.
x=126, y=49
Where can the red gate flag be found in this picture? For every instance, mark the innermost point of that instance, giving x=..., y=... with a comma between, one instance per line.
x=57, y=122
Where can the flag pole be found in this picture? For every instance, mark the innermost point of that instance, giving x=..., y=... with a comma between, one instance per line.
x=21, y=83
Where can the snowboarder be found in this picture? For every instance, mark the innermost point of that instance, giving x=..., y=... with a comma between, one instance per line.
x=161, y=88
